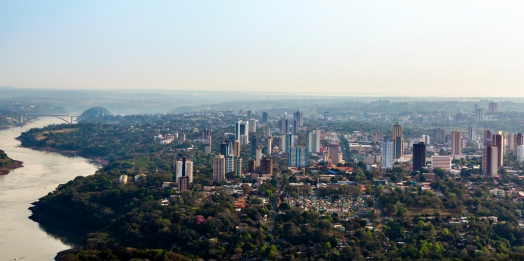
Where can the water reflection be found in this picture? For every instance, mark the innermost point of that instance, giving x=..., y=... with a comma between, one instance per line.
x=67, y=238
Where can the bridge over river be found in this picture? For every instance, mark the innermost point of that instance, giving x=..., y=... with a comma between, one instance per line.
x=25, y=118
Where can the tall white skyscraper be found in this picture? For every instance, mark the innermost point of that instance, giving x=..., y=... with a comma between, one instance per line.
x=314, y=141
x=252, y=125
x=269, y=146
x=184, y=171
x=242, y=128
x=520, y=153
x=387, y=154
x=426, y=139
x=288, y=141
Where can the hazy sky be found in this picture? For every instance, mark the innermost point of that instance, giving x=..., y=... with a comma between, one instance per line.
x=437, y=48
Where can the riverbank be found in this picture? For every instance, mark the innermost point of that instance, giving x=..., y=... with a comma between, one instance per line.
x=40, y=175
x=16, y=164
x=7, y=164
x=69, y=153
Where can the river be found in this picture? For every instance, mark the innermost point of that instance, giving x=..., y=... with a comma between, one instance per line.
x=20, y=237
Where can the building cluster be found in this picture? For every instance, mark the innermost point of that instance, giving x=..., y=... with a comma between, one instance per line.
x=168, y=138
x=275, y=144
x=494, y=146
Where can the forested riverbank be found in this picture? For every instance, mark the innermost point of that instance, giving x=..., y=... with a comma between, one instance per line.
x=7, y=164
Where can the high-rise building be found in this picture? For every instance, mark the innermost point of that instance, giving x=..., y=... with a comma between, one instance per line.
x=265, y=117
x=267, y=131
x=511, y=143
x=479, y=114
x=398, y=141
x=224, y=148
x=493, y=107
x=298, y=117
x=238, y=167
x=314, y=141
x=456, y=143
x=237, y=147
x=251, y=166
x=387, y=154
x=334, y=153
x=426, y=139
x=231, y=143
x=486, y=137
x=489, y=161
x=397, y=130
x=269, y=145
x=439, y=136
x=249, y=114
x=376, y=135
x=282, y=126
x=298, y=157
x=441, y=162
x=266, y=166
x=498, y=140
x=520, y=153
x=520, y=139
x=219, y=168
x=244, y=140
x=206, y=133
x=258, y=155
x=253, y=144
x=287, y=126
x=288, y=140
x=181, y=138
x=472, y=133
x=183, y=183
x=184, y=168
x=230, y=164
x=252, y=125
x=398, y=148
x=419, y=156
x=241, y=128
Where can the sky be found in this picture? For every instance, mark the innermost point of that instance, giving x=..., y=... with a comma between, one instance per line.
x=395, y=48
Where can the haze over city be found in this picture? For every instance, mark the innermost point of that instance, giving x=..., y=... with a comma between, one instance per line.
x=375, y=48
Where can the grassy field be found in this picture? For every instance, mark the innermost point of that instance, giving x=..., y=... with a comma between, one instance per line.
x=41, y=136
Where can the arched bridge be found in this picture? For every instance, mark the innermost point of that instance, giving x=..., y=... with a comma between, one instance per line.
x=69, y=119
x=24, y=118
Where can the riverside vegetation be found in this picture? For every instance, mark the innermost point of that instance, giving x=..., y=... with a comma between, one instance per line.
x=7, y=164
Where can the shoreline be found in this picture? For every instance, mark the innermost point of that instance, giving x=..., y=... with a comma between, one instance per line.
x=69, y=153
x=6, y=170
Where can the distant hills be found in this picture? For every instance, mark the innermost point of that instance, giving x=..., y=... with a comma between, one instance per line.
x=93, y=113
